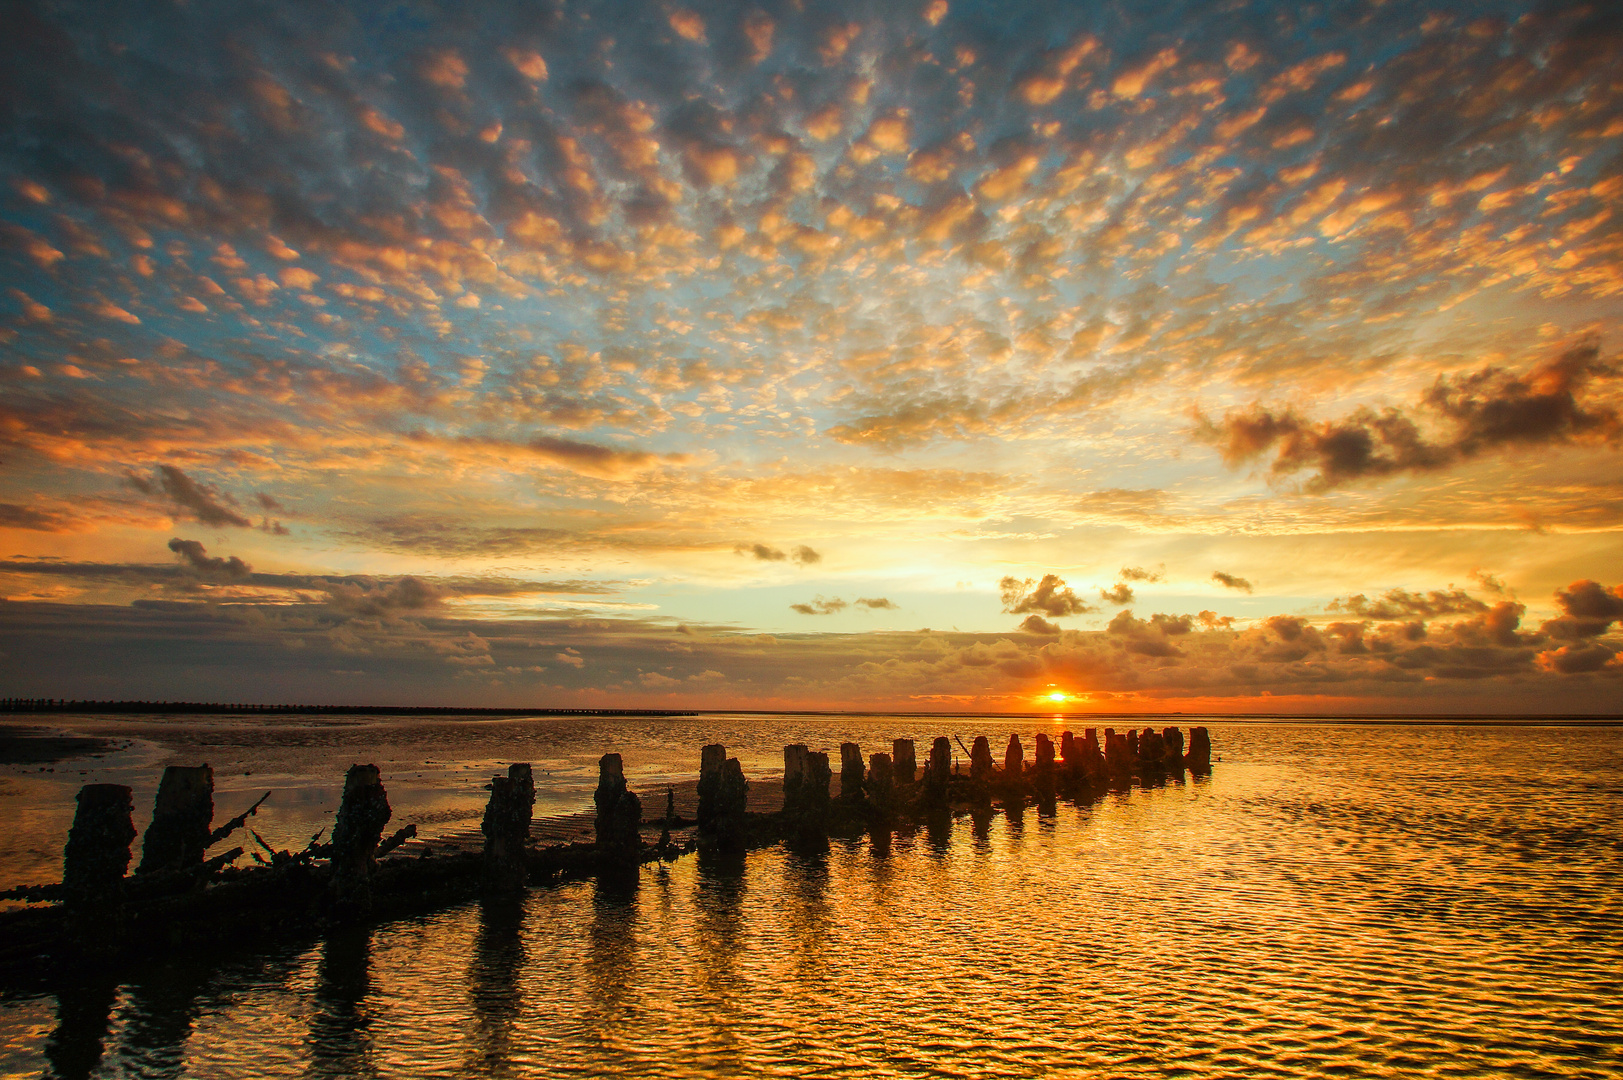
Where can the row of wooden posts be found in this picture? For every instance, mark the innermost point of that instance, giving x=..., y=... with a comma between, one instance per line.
x=887, y=785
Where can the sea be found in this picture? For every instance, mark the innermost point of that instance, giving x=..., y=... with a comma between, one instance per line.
x=1336, y=898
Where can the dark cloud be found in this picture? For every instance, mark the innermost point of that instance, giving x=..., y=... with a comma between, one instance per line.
x=204, y=503
x=1051, y=597
x=362, y=596
x=1578, y=659
x=1149, y=638
x=764, y=552
x=18, y=516
x=877, y=603
x=1138, y=573
x=1118, y=594
x=1036, y=624
x=603, y=462
x=1402, y=604
x=1589, y=609
x=1211, y=620
x=1480, y=414
x=194, y=556
x=805, y=556
x=1230, y=581
x=820, y=606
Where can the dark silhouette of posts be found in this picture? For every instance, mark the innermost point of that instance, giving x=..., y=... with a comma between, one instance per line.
x=723, y=795
x=507, y=829
x=362, y=815
x=795, y=764
x=1199, y=756
x=619, y=811
x=881, y=784
x=980, y=760
x=903, y=762
x=98, y=849
x=1014, y=759
x=851, y=772
x=182, y=817
x=1173, y=738
x=938, y=770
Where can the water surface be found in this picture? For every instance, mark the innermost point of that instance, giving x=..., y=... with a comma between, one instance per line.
x=1333, y=900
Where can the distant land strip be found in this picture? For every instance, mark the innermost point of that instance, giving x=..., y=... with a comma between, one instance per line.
x=63, y=705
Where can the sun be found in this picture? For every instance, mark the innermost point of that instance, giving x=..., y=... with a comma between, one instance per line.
x=1058, y=697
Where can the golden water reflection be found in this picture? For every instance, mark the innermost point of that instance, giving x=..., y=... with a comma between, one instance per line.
x=1449, y=908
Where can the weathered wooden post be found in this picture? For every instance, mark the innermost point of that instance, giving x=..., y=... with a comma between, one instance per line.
x=1045, y=753
x=362, y=815
x=182, y=816
x=1199, y=756
x=1150, y=746
x=814, y=784
x=938, y=770
x=1014, y=759
x=851, y=772
x=1067, y=748
x=619, y=812
x=1132, y=745
x=1117, y=758
x=732, y=801
x=98, y=853
x=1173, y=738
x=881, y=783
x=1093, y=759
x=980, y=760
x=711, y=759
x=507, y=829
x=794, y=775
x=903, y=762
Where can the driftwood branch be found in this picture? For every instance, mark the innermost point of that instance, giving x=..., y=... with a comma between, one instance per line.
x=237, y=822
x=400, y=837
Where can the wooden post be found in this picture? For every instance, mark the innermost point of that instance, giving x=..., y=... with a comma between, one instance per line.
x=903, y=762
x=1199, y=757
x=794, y=775
x=362, y=815
x=507, y=829
x=619, y=811
x=1173, y=738
x=980, y=759
x=711, y=760
x=851, y=772
x=881, y=783
x=1014, y=759
x=182, y=817
x=938, y=770
x=98, y=849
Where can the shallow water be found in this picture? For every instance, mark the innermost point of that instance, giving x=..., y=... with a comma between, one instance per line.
x=1333, y=900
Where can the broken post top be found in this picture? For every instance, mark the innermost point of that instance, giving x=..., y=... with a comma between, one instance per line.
x=711, y=758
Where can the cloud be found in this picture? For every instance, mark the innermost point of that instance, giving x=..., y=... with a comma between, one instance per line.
x=805, y=556
x=1401, y=604
x=18, y=516
x=1036, y=624
x=1118, y=594
x=194, y=556
x=1589, y=610
x=764, y=552
x=1138, y=573
x=877, y=603
x=1051, y=597
x=820, y=606
x=601, y=462
x=372, y=598
x=1230, y=581
x=204, y=503
x=1480, y=413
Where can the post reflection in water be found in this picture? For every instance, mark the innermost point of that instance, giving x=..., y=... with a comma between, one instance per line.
x=938, y=833
x=611, y=962
x=161, y=1008
x=339, y=1043
x=719, y=926
x=83, y=1014
x=493, y=984
x=806, y=880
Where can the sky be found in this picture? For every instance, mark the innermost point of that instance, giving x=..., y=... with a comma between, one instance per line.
x=1242, y=357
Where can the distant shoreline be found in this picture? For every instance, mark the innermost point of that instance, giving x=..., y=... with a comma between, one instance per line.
x=36, y=706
